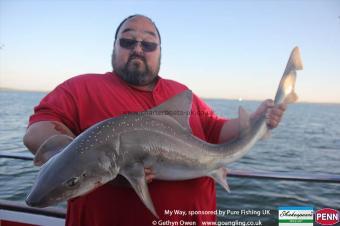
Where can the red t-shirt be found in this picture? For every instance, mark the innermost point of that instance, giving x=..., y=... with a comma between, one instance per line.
x=84, y=100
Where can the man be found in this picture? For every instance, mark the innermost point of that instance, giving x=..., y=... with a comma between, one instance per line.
x=133, y=86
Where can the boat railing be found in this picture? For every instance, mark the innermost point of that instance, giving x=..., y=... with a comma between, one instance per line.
x=295, y=176
x=23, y=208
x=15, y=213
x=15, y=208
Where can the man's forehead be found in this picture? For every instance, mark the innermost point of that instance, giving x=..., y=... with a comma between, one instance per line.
x=139, y=24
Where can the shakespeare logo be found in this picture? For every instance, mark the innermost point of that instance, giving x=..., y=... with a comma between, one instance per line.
x=296, y=215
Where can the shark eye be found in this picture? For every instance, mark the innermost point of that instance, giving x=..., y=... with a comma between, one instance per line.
x=71, y=182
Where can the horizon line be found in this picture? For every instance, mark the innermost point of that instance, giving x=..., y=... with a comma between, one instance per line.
x=206, y=98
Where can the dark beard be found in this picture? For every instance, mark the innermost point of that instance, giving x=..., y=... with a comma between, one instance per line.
x=134, y=76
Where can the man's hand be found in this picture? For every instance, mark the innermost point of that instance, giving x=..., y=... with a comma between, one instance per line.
x=273, y=113
x=149, y=174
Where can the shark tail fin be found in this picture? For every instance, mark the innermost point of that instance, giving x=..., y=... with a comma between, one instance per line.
x=291, y=98
x=296, y=58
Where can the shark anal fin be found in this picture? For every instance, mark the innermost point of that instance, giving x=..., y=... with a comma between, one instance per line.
x=51, y=147
x=220, y=176
x=135, y=175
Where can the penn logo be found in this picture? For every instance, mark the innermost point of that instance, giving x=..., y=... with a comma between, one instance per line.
x=327, y=216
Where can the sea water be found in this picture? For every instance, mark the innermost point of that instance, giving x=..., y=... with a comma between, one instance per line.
x=307, y=141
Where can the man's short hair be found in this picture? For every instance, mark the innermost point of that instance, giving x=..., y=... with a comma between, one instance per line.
x=129, y=17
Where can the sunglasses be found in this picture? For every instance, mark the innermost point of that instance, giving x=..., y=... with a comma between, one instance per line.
x=131, y=44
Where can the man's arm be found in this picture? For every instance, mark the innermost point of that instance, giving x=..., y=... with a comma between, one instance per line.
x=231, y=128
x=38, y=132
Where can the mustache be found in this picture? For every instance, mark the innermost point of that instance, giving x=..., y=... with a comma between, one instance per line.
x=136, y=56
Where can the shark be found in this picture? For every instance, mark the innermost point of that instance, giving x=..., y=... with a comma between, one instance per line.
x=159, y=138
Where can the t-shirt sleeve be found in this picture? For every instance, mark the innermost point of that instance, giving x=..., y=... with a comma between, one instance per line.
x=211, y=123
x=59, y=105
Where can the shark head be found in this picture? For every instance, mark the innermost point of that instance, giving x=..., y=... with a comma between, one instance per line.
x=75, y=171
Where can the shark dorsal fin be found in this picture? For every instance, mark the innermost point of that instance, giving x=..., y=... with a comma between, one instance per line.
x=178, y=107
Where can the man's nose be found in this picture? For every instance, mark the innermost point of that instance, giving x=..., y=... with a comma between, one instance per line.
x=138, y=48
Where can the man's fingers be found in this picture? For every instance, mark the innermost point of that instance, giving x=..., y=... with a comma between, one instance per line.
x=273, y=112
x=147, y=170
x=273, y=119
x=272, y=123
x=269, y=103
x=149, y=174
x=149, y=178
x=283, y=106
x=274, y=115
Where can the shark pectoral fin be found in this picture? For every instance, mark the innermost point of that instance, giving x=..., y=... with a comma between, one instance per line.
x=291, y=98
x=50, y=147
x=220, y=176
x=135, y=175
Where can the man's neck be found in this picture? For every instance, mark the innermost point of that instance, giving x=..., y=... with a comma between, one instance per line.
x=148, y=87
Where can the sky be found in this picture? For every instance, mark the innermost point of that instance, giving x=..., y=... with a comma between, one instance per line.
x=219, y=49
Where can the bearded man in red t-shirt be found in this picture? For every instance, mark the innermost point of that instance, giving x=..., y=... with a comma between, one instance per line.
x=134, y=85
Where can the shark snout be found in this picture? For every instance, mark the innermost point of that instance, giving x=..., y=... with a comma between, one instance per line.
x=33, y=202
x=36, y=200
